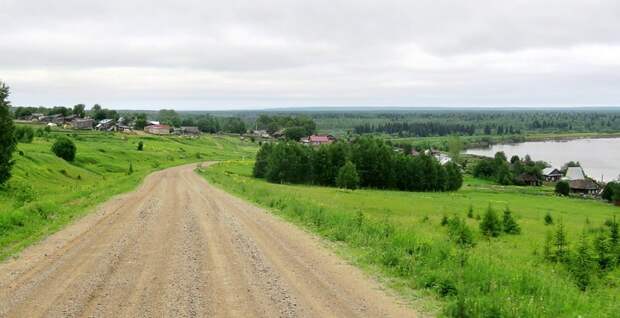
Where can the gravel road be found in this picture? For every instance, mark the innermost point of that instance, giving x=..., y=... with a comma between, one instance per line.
x=179, y=247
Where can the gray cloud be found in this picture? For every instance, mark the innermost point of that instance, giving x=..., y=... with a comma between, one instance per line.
x=207, y=54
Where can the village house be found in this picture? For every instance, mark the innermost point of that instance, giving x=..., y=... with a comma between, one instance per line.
x=157, y=129
x=552, y=174
x=316, y=140
x=82, y=123
x=106, y=125
x=579, y=183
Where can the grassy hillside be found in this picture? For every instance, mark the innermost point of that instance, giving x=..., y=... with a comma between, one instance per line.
x=47, y=192
x=399, y=234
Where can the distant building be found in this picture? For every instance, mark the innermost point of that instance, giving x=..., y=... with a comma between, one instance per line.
x=552, y=174
x=157, y=129
x=82, y=123
x=319, y=140
x=579, y=183
x=584, y=186
x=190, y=130
x=106, y=125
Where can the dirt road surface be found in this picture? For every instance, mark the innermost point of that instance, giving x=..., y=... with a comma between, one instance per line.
x=178, y=247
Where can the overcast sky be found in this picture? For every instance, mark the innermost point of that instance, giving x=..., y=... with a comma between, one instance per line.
x=268, y=53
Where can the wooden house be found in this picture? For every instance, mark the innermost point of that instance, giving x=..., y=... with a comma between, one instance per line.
x=552, y=174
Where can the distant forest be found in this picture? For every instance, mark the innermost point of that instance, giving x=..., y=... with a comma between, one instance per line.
x=402, y=123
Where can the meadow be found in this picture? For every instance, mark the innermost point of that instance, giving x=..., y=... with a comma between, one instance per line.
x=398, y=236
x=46, y=192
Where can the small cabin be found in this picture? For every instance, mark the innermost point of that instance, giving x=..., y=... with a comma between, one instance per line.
x=552, y=174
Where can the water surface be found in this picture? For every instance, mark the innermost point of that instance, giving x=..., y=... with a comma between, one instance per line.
x=600, y=158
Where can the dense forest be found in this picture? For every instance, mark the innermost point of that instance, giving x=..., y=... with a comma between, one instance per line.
x=461, y=121
x=365, y=162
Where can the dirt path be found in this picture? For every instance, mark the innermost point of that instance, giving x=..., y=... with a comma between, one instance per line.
x=178, y=247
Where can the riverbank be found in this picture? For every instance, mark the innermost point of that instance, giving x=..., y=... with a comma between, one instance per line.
x=485, y=141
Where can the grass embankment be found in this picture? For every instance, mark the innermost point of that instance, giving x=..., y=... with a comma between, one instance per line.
x=398, y=235
x=47, y=192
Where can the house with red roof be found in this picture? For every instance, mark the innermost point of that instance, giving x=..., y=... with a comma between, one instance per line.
x=317, y=140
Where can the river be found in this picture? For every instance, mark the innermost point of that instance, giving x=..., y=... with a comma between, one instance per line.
x=599, y=157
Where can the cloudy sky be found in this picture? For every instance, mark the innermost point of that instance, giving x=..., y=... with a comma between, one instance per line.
x=205, y=54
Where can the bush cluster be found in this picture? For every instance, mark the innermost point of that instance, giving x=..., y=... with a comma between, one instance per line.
x=366, y=162
x=587, y=259
x=64, y=148
x=516, y=171
x=24, y=134
x=492, y=226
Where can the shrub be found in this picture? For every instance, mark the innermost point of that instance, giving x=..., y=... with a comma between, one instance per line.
x=509, y=225
x=548, y=219
x=490, y=225
x=444, y=221
x=262, y=159
x=562, y=188
x=140, y=145
x=64, y=148
x=470, y=212
x=130, y=170
x=347, y=176
x=24, y=134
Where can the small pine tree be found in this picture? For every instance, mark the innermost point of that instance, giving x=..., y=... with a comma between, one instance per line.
x=459, y=232
x=140, y=145
x=347, y=177
x=470, y=212
x=130, y=170
x=614, y=235
x=548, y=219
x=490, y=225
x=509, y=225
x=561, y=244
x=582, y=263
x=602, y=248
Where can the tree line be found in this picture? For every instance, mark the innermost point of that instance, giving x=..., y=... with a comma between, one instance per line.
x=418, y=129
x=365, y=162
x=516, y=171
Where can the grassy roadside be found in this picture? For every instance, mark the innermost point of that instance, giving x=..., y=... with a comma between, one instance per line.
x=46, y=192
x=399, y=235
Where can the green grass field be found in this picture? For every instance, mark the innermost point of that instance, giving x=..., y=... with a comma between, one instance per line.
x=398, y=236
x=46, y=192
